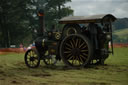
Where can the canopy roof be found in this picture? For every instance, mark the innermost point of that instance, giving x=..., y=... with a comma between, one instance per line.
x=88, y=19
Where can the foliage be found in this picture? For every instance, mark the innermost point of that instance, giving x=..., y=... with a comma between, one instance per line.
x=14, y=21
x=121, y=23
x=18, y=19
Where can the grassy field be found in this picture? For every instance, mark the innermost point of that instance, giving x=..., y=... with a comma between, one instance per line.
x=123, y=33
x=13, y=71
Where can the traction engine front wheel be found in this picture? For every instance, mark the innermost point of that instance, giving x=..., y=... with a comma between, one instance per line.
x=32, y=59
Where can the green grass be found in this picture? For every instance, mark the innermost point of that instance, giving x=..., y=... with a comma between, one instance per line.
x=14, y=71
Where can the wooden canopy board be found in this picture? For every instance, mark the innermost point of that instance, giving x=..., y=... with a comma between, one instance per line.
x=87, y=19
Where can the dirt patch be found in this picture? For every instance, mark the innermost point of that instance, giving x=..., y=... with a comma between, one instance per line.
x=99, y=83
x=2, y=73
x=19, y=63
x=15, y=82
x=61, y=68
x=1, y=66
x=42, y=75
x=43, y=84
x=19, y=66
x=94, y=83
x=2, y=79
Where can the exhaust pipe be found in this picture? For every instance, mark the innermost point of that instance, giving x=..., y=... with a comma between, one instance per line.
x=41, y=22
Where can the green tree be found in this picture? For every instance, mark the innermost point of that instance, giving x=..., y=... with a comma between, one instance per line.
x=14, y=21
x=19, y=20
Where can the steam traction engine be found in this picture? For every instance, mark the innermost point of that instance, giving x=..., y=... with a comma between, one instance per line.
x=83, y=40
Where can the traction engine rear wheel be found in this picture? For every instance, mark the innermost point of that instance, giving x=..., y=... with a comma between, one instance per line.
x=32, y=59
x=76, y=50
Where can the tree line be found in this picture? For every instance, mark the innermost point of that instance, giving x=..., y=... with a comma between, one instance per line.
x=19, y=20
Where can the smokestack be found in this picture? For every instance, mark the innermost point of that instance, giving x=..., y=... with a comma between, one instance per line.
x=41, y=22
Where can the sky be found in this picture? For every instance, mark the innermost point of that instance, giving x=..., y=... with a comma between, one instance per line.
x=118, y=8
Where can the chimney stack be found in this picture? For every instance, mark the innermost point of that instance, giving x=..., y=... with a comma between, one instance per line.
x=41, y=22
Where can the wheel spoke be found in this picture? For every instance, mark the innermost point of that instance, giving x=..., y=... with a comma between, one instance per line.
x=28, y=59
x=84, y=46
x=32, y=63
x=29, y=54
x=33, y=53
x=76, y=42
x=68, y=48
x=35, y=61
x=81, y=44
x=70, y=58
x=73, y=42
x=67, y=52
x=83, y=57
x=73, y=59
x=50, y=61
x=85, y=54
x=69, y=45
x=69, y=55
x=79, y=60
